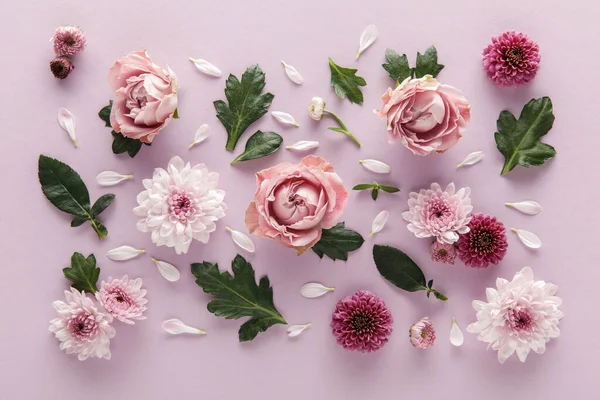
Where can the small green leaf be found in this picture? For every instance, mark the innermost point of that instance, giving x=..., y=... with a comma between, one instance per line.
x=363, y=186
x=428, y=293
x=78, y=221
x=398, y=268
x=375, y=193
x=430, y=284
x=389, y=189
x=397, y=66
x=346, y=83
x=439, y=296
x=519, y=140
x=176, y=114
x=337, y=242
x=101, y=204
x=341, y=130
x=100, y=229
x=259, y=145
x=121, y=145
x=104, y=114
x=427, y=63
x=63, y=187
x=83, y=273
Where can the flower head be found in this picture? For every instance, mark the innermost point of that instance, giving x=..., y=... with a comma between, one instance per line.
x=484, y=244
x=180, y=204
x=422, y=334
x=81, y=328
x=68, y=41
x=443, y=252
x=519, y=316
x=443, y=214
x=316, y=108
x=61, y=67
x=361, y=322
x=123, y=298
x=512, y=59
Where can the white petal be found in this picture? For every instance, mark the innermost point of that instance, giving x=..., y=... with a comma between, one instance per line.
x=456, y=336
x=529, y=239
x=314, y=289
x=284, y=118
x=67, y=122
x=206, y=67
x=379, y=167
x=295, y=330
x=111, y=178
x=176, y=327
x=379, y=222
x=528, y=207
x=292, y=73
x=201, y=135
x=123, y=253
x=241, y=240
x=168, y=271
x=471, y=159
x=303, y=145
x=367, y=38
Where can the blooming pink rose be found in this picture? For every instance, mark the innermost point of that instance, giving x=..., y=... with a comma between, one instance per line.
x=425, y=115
x=146, y=96
x=294, y=203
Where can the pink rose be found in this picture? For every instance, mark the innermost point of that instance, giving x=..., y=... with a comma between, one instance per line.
x=146, y=96
x=425, y=115
x=294, y=203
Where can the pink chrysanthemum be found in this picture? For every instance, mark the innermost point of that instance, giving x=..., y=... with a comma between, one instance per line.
x=512, y=59
x=123, y=298
x=438, y=213
x=361, y=322
x=484, y=244
x=68, y=41
x=61, y=67
x=422, y=334
x=443, y=252
x=81, y=328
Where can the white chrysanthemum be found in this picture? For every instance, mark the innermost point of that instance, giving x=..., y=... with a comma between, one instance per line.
x=520, y=316
x=81, y=328
x=180, y=204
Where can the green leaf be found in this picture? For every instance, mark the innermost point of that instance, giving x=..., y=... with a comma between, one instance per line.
x=100, y=229
x=337, y=242
x=121, y=145
x=438, y=295
x=430, y=284
x=427, y=63
x=259, y=145
x=101, y=204
x=63, y=187
x=398, y=268
x=375, y=193
x=246, y=105
x=238, y=296
x=83, y=273
x=176, y=114
x=104, y=114
x=363, y=186
x=389, y=189
x=519, y=140
x=346, y=83
x=78, y=221
x=397, y=66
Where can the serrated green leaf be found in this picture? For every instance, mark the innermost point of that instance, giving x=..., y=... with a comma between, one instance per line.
x=363, y=186
x=427, y=63
x=346, y=83
x=101, y=204
x=337, y=242
x=104, y=114
x=239, y=296
x=246, y=105
x=397, y=66
x=375, y=193
x=78, y=221
x=83, y=273
x=519, y=140
x=121, y=145
x=389, y=189
x=63, y=187
x=261, y=144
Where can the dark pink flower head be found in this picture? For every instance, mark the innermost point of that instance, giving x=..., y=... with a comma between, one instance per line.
x=361, y=322
x=61, y=67
x=68, y=41
x=484, y=244
x=443, y=252
x=512, y=59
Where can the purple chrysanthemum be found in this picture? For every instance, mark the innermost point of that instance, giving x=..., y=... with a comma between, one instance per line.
x=68, y=41
x=61, y=67
x=443, y=252
x=362, y=322
x=484, y=244
x=512, y=59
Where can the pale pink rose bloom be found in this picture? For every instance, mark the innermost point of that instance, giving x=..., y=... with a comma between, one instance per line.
x=293, y=203
x=145, y=99
x=424, y=115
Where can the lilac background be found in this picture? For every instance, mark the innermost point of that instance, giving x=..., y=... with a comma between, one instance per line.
x=147, y=363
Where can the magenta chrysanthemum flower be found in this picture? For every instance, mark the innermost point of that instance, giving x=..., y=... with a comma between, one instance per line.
x=512, y=59
x=68, y=41
x=61, y=67
x=422, y=334
x=484, y=244
x=443, y=252
x=361, y=322
x=123, y=298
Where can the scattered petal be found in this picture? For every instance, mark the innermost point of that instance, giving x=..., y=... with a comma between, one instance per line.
x=201, y=135
x=379, y=167
x=367, y=38
x=241, y=240
x=176, y=327
x=529, y=239
x=471, y=159
x=292, y=73
x=456, y=336
x=314, y=289
x=379, y=222
x=303, y=145
x=111, y=178
x=295, y=330
x=67, y=122
x=168, y=271
x=284, y=118
x=206, y=67
x=528, y=207
x=123, y=253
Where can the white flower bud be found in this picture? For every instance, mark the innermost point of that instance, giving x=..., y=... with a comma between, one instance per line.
x=316, y=108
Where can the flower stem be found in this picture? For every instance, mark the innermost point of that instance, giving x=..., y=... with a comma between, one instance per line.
x=343, y=128
x=437, y=294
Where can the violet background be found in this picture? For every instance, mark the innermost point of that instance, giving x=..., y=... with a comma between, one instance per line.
x=148, y=363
